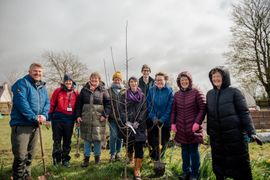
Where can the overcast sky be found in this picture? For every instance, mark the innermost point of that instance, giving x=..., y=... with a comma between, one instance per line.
x=168, y=35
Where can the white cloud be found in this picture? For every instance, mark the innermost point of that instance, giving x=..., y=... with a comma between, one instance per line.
x=168, y=35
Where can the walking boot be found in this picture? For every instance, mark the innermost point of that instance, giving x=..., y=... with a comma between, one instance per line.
x=117, y=157
x=97, y=159
x=112, y=158
x=85, y=162
x=137, y=169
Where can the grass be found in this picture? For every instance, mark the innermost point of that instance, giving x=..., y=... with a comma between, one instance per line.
x=260, y=161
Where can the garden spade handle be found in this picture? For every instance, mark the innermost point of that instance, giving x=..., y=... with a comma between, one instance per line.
x=42, y=150
x=159, y=141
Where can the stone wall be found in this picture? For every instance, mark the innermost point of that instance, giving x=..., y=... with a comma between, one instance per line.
x=261, y=119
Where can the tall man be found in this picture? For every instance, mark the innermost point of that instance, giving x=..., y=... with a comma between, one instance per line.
x=146, y=81
x=31, y=105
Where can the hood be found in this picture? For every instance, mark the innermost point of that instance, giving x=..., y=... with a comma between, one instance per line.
x=186, y=74
x=226, y=80
x=69, y=77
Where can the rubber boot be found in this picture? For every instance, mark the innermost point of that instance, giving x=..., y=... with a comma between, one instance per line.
x=97, y=159
x=85, y=162
x=137, y=169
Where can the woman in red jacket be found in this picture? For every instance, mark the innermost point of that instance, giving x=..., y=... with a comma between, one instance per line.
x=62, y=116
x=187, y=114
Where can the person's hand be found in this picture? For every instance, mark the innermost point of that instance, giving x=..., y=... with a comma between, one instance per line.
x=78, y=121
x=135, y=125
x=41, y=119
x=48, y=124
x=102, y=118
x=173, y=128
x=257, y=139
x=195, y=127
x=157, y=122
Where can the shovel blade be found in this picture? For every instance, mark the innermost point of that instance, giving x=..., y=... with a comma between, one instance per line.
x=42, y=177
x=45, y=176
x=159, y=168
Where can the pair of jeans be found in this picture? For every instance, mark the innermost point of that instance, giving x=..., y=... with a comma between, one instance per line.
x=191, y=159
x=115, y=140
x=62, y=132
x=88, y=148
x=23, y=140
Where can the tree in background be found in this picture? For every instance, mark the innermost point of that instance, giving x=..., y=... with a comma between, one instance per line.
x=59, y=64
x=249, y=58
x=13, y=76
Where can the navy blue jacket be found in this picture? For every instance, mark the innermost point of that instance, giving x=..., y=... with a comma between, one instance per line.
x=29, y=100
x=159, y=103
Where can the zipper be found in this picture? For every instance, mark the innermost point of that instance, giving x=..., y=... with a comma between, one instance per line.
x=38, y=112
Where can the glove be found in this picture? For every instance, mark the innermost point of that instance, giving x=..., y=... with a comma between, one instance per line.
x=257, y=139
x=195, y=127
x=135, y=125
x=173, y=128
x=156, y=122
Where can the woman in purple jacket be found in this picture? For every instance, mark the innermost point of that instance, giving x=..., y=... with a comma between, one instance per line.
x=188, y=111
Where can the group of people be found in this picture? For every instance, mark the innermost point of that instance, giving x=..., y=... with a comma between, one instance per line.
x=135, y=113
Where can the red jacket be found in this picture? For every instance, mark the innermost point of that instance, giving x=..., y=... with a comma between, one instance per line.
x=63, y=101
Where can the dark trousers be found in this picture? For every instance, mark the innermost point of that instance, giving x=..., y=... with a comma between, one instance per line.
x=23, y=141
x=242, y=173
x=153, y=141
x=191, y=159
x=138, y=147
x=62, y=131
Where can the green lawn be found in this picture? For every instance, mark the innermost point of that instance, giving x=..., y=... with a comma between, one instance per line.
x=260, y=157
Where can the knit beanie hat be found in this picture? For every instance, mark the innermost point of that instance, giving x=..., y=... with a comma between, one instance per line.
x=117, y=74
x=68, y=77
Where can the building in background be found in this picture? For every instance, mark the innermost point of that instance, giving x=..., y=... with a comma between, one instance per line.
x=5, y=99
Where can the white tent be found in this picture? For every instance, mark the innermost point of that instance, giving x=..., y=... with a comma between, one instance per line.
x=5, y=95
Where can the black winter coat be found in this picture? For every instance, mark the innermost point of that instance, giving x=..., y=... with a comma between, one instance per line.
x=136, y=112
x=228, y=121
x=145, y=87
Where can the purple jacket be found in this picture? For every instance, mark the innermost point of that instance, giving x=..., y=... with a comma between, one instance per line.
x=189, y=106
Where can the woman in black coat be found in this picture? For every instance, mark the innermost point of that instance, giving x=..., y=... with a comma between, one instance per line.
x=228, y=123
x=132, y=112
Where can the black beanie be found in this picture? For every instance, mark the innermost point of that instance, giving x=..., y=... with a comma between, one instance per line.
x=67, y=77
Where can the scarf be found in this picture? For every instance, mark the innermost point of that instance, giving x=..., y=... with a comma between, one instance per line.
x=135, y=96
x=116, y=88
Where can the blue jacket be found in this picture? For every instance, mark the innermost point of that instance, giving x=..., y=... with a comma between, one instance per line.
x=29, y=101
x=159, y=103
